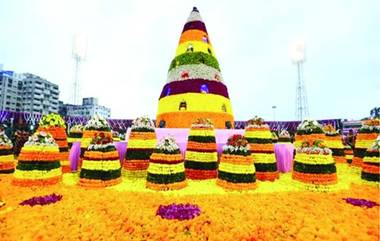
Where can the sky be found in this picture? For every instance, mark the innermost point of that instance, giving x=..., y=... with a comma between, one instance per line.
x=130, y=45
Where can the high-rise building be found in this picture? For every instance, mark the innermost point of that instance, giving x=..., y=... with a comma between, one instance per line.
x=28, y=93
x=39, y=95
x=89, y=108
x=10, y=91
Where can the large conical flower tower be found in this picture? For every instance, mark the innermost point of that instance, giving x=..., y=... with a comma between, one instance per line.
x=194, y=87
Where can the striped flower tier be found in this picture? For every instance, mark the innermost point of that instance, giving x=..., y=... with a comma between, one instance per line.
x=308, y=131
x=334, y=142
x=101, y=165
x=166, y=169
x=7, y=162
x=261, y=145
x=365, y=137
x=349, y=154
x=236, y=170
x=75, y=134
x=201, y=158
x=38, y=163
x=194, y=87
x=141, y=143
x=371, y=163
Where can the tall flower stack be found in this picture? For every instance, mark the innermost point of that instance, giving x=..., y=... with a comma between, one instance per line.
x=314, y=166
x=367, y=134
x=38, y=163
x=309, y=131
x=95, y=125
x=349, y=153
x=166, y=169
x=194, y=87
x=75, y=134
x=101, y=165
x=7, y=162
x=371, y=163
x=141, y=143
x=201, y=158
x=284, y=137
x=259, y=138
x=333, y=140
x=55, y=125
x=236, y=170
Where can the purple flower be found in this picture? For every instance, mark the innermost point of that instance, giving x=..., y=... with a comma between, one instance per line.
x=42, y=200
x=361, y=202
x=178, y=211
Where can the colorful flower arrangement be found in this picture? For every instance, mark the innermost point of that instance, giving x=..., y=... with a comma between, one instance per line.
x=38, y=163
x=52, y=120
x=194, y=78
x=371, y=163
x=7, y=162
x=178, y=211
x=166, y=169
x=101, y=165
x=95, y=125
x=55, y=125
x=314, y=165
x=366, y=135
x=333, y=141
x=236, y=170
x=201, y=157
x=42, y=200
x=141, y=143
x=309, y=130
x=75, y=134
x=284, y=136
x=349, y=154
x=261, y=144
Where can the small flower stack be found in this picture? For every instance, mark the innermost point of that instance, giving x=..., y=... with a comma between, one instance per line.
x=201, y=158
x=38, y=163
x=333, y=140
x=166, y=169
x=95, y=125
x=141, y=143
x=349, y=153
x=367, y=134
x=236, y=169
x=7, y=162
x=314, y=166
x=260, y=141
x=309, y=131
x=55, y=125
x=284, y=137
x=371, y=163
x=75, y=134
x=101, y=165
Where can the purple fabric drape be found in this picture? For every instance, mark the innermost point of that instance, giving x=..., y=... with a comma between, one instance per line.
x=121, y=148
x=284, y=156
x=74, y=156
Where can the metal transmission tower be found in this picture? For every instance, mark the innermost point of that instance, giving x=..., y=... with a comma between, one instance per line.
x=298, y=58
x=79, y=55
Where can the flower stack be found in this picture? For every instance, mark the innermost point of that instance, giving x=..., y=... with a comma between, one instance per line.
x=284, y=137
x=308, y=131
x=194, y=87
x=75, y=134
x=55, y=125
x=7, y=162
x=314, y=166
x=261, y=145
x=349, y=153
x=141, y=143
x=101, y=165
x=94, y=126
x=166, y=169
x=201, y=158
x=39, y=162
x=367, y=134
x=333, y=141
x=236, y=170
x=371, y=163
x=115, y=136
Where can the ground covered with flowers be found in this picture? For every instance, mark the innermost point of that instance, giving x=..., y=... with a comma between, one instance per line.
x=128, y=211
